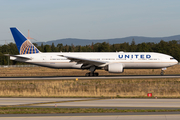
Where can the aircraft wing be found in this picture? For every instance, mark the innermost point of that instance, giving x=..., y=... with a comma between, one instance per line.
x=19, y=56
x=84, y=61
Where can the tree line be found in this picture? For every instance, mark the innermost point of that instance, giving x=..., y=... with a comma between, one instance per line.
x=170, y=48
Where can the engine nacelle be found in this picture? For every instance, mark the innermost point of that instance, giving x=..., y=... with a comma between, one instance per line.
x=114, y=68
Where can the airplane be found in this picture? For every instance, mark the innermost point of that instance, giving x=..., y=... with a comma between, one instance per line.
x=113, y=62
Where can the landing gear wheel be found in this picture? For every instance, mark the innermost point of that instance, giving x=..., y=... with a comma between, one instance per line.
x=91, y=74
x=87, y=74
x=96, y=74
x=162, y=72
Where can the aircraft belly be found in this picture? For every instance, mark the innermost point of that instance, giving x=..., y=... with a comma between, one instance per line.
x=146, y=65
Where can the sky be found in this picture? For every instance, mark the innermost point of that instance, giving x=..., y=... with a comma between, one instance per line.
x=89, y=19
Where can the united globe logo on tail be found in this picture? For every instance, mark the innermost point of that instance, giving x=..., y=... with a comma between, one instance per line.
x=23, y=44
x=28, y=48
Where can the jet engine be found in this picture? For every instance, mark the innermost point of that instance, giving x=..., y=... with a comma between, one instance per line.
x=114, y=68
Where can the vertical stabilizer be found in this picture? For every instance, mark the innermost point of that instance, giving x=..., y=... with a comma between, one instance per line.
x=23, y=44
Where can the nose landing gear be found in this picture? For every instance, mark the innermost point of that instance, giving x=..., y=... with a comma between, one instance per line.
x=163, y=71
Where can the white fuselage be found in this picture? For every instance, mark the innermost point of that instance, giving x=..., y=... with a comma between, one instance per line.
x=129, y=60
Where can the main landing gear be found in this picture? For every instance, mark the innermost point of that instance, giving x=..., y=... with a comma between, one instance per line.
x=92, y=73
x=163, y=71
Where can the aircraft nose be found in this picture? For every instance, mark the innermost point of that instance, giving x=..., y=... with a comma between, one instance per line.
x=176, y=61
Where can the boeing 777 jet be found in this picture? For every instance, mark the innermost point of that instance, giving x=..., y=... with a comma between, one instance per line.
x=113, y=62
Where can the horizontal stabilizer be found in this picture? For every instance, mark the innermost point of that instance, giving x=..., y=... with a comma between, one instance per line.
x=19, y=56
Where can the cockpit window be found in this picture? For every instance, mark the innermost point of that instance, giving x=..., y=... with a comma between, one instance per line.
x=171, y=58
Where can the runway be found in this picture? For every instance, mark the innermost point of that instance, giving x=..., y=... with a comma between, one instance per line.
x=83, y=77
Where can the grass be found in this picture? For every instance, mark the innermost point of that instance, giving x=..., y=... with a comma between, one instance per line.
x=88, y=88
x=6, y=110
x=164, y=87
x=43, y=71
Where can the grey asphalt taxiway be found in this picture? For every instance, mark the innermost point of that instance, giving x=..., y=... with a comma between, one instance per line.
x=120, y=103
x=83, y=77
x=159, y=116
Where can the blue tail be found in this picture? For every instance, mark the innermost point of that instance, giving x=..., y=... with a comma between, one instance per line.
x=23, y=44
